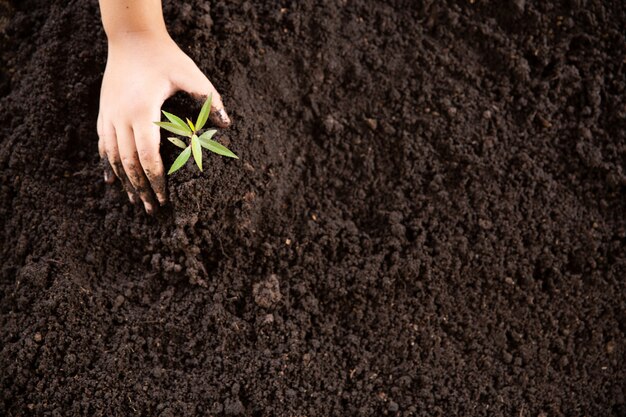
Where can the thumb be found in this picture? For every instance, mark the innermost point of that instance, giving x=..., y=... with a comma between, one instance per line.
x=198, y=85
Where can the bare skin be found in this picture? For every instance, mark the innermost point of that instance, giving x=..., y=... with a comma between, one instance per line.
x=144, y=68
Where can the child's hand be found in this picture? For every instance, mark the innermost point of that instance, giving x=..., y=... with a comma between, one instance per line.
x=143, y=69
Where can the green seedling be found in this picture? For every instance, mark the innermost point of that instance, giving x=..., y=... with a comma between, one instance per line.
x=196, y=143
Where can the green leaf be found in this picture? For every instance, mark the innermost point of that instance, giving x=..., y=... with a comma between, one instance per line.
x=217, y=148
x=193, y=129
x=181, y=160
x=172, y=127
x=176, y=120
x=178, y=142
x=197, y=150
x=208, y=134
x=204, y=112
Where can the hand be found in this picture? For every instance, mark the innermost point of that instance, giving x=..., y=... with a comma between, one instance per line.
x=143, y=69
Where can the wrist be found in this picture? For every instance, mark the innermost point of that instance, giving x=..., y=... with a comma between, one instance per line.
x=122, y=37
x=129, y=19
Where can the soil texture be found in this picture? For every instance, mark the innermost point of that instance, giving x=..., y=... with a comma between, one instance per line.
x=428, y=217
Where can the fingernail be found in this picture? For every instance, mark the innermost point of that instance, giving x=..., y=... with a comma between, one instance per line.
x=221, y=118
x=162, y=199
x=109, y=178
x=149, y=207
x=131, y=198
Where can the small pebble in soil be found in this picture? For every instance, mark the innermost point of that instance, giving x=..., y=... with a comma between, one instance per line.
x=233, y=407
x=544, y=122
x=119, y=300
x=332, y=125
x=393, y=407
x=158, y=372
x=485, y=224
x=371, y=123
x=267, y=293
x=249, y=196
x=610, y=347
x=90, y=258
x=37, y=337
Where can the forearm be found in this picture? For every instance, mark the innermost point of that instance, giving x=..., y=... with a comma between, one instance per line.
x=123, y=17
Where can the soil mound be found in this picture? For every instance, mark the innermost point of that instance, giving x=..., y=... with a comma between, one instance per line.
x=428, y=217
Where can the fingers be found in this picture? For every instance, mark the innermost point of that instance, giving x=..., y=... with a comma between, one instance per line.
x=197, y=84
x=147, y=141
x=132, y=154
x=107, y=146
x=133, y=168
x=134, y=161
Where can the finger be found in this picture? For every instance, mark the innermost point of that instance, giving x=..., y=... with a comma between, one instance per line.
x=197, y=84
x=114, y=162
x=109, y=177
x=220, y=118
x=132, y=166
x=147, y=140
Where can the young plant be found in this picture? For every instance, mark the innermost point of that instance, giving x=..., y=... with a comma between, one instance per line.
x=196, y=143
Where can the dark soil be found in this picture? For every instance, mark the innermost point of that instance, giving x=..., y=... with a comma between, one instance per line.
x=428, y=217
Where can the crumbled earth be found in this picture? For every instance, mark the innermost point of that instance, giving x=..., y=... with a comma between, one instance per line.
x=428, y=217
x=267, y=293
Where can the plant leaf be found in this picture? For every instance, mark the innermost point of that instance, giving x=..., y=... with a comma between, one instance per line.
x=217, y=148
x=204, y=112
x=181, y=160
x=172, y=127
x=178, y=142
x=176, y=120
x=208, y=134
x=193, y=129
x=197, y=150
